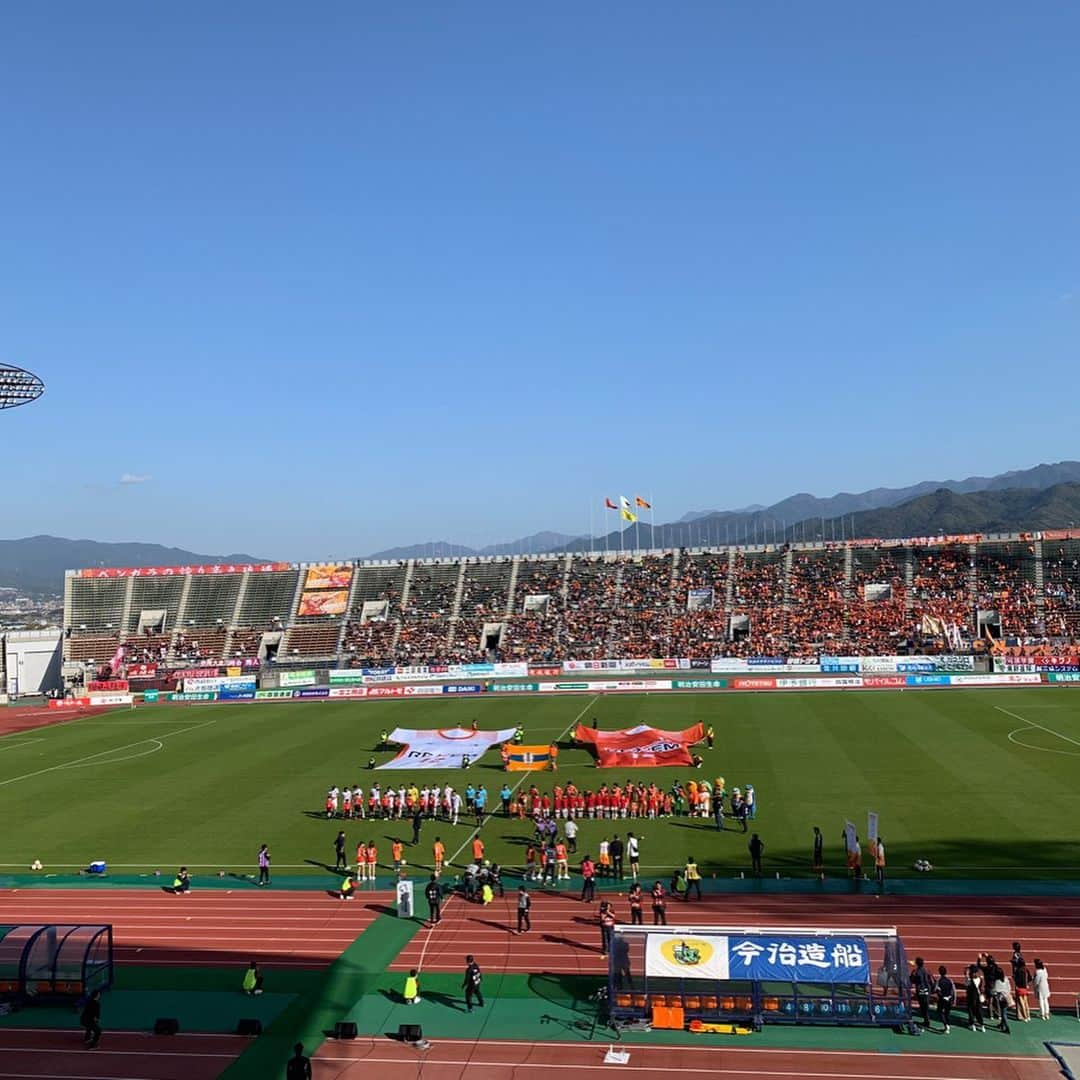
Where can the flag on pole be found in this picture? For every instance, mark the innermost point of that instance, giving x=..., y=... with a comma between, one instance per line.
x=624, y=510
x=610, y=505
x=639, y=501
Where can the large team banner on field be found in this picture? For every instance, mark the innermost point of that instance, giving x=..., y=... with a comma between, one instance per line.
x=641, y=746
x=442, y=748
x=758, y=957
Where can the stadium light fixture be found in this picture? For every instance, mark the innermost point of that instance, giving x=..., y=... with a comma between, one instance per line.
x=18, y=387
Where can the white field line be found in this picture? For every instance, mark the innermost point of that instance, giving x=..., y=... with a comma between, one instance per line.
x=1035, y=724
x=18, y=745
x=524, y=776
x=89, y=758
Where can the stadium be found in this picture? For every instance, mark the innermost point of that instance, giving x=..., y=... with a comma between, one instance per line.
x=285, y=680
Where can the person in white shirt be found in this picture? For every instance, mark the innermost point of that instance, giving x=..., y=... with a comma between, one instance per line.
x=1041, y=987
x=401, y=801
x=570, y=828
x=633, y=854
x=455, y=805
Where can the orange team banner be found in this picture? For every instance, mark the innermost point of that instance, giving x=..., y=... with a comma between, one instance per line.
x=324, y=603
x=529, y=758
x=641, y=746
x=328, y=577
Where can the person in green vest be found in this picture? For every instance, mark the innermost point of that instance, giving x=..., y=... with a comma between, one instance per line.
x=253, y=980
x=348, y=887
x=710, y=735
x=411, y=993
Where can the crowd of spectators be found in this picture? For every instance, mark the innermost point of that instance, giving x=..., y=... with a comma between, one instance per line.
x=759, y=597
x=815, y=601
x=699, y=622
x=205, y=643
x=1061, y=583
x=876, y=612
x=704, y=604
x=246, y=641
x=485, y=588
x=641, y=625
x=1005, y=583
x=590, y=606
x=942, y=584
x=370, y=644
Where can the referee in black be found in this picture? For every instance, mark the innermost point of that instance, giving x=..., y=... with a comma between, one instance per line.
x=433, y=895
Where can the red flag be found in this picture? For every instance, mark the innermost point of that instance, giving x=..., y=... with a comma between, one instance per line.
x=610, y=505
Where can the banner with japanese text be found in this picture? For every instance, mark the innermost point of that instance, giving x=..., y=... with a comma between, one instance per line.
x=758, y=957
x=182, y=571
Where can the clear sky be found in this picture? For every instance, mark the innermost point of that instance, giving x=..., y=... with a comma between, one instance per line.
x=319, y=279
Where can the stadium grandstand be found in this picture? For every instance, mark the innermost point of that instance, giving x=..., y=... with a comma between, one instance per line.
x=937, y=594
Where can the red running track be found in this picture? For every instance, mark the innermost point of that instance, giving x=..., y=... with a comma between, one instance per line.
x=216, y=926
x=565, y=937
x=499, y=1060
x=28, y=718
x=59, y=1055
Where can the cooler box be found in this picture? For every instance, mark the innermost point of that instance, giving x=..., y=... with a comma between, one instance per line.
x=97, y=867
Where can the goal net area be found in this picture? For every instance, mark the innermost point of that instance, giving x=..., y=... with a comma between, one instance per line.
x=759, y=975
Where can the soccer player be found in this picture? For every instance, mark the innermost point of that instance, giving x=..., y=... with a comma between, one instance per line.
x=478, y=851
x=438, y=853
x=397, y=851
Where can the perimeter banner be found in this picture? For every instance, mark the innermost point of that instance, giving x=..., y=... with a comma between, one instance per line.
x=640, y=747
x=758, y=957
x=442, y=748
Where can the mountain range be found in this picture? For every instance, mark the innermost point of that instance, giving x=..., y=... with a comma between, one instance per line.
x=792, y=516
x=1047, y=496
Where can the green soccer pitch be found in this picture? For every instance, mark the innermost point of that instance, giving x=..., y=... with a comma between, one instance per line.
x=981, y=783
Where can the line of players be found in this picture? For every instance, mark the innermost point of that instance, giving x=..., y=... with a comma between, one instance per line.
x=394, y=803
x=694, y=798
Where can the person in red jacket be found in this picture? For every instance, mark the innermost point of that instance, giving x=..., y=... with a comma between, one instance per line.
x=588, y=882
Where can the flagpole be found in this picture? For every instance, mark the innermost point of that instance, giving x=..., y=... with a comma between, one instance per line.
x=591, y=534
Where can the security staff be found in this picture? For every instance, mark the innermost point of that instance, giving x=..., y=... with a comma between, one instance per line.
x=433, y=895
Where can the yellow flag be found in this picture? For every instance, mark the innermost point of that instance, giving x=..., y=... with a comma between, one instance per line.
x=624, y=510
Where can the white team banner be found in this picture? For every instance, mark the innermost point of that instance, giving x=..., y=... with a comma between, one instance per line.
x=686, y=956
x=442, y=748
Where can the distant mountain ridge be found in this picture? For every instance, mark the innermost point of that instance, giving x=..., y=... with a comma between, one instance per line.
x=755, y=520
x=36, y=564
x=1047, y=496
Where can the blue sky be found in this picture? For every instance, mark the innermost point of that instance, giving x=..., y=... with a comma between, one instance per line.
x=339, y=277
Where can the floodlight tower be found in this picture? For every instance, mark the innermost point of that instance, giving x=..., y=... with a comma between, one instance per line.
x=18, y=387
